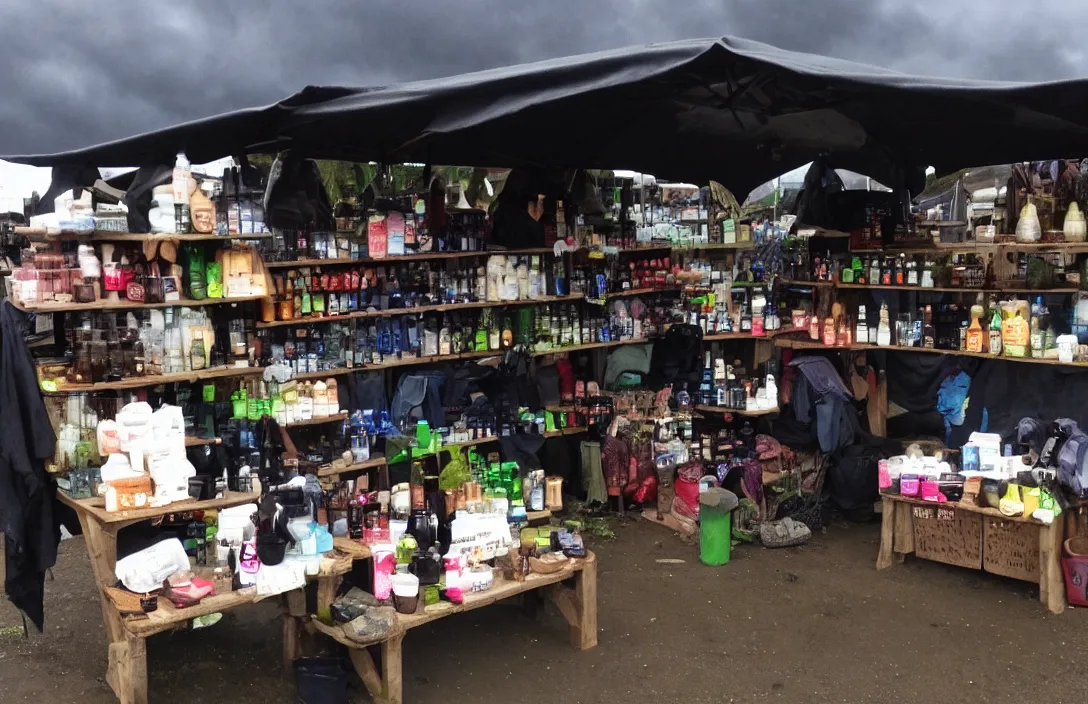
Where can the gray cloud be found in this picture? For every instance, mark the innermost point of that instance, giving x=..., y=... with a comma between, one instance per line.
x=83, y=73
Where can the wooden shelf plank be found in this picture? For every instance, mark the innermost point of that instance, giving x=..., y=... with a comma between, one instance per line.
x=928, y=289
x=191, y=441
x=502, y=589
x=342, y=415
x=41, y=233
x=167, y=616
x=984, y=510
x=97, y=507
x=425, y=256
x=64, y=387
x=736, y=412
x=440, y=308
x=810, y=345
x=129, y=305
x=643, y=292
x=378, y=461
x=374, y=462
x=574, y=430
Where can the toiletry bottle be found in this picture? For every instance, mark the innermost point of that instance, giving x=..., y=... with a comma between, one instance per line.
x=884, y=330
x=974, y=330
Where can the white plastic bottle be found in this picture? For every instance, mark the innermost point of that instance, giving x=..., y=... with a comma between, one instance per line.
x=182, y=181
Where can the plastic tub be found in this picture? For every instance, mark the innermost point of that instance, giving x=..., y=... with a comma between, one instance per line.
x=321, y=681
x=405, y=592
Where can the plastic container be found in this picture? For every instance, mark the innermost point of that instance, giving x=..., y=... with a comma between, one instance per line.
x=321, y=681
x=716, y=525
x=1075, y=569
x=405, y=592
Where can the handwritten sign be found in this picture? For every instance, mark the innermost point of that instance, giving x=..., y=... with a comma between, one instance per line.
x=923, y=512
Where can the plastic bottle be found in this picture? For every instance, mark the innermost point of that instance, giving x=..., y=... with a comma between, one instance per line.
x=1037, y=336
x=974, y=330
x=996, y=346
x=884, y=329
x=182, y=182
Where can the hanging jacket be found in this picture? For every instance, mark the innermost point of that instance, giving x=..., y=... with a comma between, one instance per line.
x=818, y=391
x=26, y=491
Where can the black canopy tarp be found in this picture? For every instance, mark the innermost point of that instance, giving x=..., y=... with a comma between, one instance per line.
x=732, y=110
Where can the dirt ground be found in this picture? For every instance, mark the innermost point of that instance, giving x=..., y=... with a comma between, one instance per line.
x=810, y=624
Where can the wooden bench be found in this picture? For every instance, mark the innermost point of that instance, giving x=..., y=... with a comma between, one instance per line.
x=976, y=537
x=573, y=590
x=126, y=672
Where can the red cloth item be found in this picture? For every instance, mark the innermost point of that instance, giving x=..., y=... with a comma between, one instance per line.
x=566, y=379
x=614, y=461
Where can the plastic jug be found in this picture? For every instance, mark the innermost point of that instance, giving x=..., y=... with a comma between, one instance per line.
x=716, y=525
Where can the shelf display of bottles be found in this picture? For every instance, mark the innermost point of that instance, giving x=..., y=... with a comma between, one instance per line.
x=1001, y=328
x=728, y=386
x=170, y=342
x=939, y=271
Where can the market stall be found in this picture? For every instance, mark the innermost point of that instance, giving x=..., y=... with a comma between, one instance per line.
x=423, y=376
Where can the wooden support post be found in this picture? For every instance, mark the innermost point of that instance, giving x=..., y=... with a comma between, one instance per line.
x=292, y=629
x=126, y=672
x=903, y=532
x=583, y=635
x=393, y=685
x=1051, y=578
x=877, y=407
x=326, y=593
x=102, y=549
x=367, y=671
x=887, y=534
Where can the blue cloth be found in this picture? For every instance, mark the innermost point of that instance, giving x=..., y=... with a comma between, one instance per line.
x=952, y=401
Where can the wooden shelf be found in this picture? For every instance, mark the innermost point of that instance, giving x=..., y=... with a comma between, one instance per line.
x=167, y=616
x=97, y=507
x=441, y=308
x=140, y=382
x=984, y=510
x=807, y=284
x=425, y=256
x=501, y=589
x=191, y=441
x=575, y=430
x=41, y=233
x=380, y=460
x=593, y=346
x=372, y=463
x=810, y=345
x=736, y=412
x=928, y=289
x=342, y=415
x=717, y=245
x=642, y=292
x=129, y=305
x=719, y=336
x=811, y=231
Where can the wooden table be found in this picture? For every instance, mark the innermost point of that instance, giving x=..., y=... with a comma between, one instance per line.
x=572, y=589
x=975, y=537
x=126, y=671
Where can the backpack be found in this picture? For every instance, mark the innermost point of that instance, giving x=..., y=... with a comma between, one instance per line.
x=1072, y=472
x=676, y=356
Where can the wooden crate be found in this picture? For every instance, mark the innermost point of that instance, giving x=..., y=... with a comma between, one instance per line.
x=1011, y=549
x=944, y=534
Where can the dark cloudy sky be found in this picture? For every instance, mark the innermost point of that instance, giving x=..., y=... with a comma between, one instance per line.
x=78, y=73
